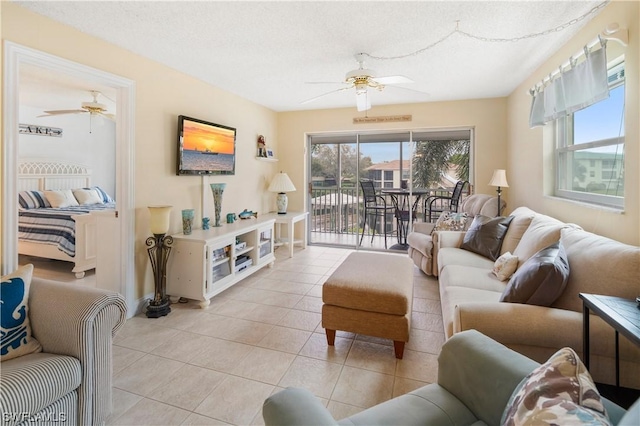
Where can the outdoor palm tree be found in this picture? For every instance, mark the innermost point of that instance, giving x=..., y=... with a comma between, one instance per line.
x=434, y=158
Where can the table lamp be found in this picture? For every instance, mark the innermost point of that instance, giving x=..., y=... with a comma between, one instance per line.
x=281, y=184
x=159, y=247
x=499, y=179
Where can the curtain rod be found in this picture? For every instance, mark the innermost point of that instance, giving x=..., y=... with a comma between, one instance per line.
x=611, y=32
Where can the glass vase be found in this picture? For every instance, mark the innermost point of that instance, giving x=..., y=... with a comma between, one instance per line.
x=187, y=221
x=217, y=189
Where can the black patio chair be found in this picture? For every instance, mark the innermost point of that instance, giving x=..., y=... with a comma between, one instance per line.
x=374, y=206
x=441, y=203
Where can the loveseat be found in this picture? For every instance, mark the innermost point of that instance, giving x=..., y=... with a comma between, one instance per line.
x=476, y=379
x=422, y=240
x=70, y=380
x=470, y=293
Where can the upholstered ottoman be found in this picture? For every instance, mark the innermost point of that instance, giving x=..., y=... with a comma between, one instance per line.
x=370, y=294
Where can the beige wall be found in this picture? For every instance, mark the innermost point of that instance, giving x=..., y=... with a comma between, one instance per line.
x=530, y=150
x=161, y=95
x=486, y=116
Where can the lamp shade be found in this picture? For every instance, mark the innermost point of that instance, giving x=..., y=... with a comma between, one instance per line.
x=281, y=183
x=159, y=219
x=499, y=178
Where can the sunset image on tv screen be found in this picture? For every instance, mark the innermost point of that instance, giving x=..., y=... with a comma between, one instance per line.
x=206, y=148
x=203, y=137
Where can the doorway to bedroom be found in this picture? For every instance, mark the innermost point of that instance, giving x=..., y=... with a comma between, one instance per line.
x=46, y=122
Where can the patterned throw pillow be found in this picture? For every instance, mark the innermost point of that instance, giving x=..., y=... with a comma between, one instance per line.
x=449, y=221
x=32, y=200
x=15, y=331
x=505, y=266
x=559, y=392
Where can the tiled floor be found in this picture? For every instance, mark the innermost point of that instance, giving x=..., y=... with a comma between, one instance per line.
x=217, y=365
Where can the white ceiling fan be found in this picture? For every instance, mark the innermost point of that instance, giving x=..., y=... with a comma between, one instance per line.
x=362, y=79
x=93, y=108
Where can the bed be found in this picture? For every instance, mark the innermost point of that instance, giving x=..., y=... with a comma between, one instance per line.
x=67, y=233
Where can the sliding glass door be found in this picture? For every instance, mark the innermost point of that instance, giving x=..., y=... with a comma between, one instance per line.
x=333, y=197
x=399, y=164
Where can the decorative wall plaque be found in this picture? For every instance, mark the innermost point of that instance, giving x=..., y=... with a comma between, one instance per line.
x=33, y=129
x=382, y=119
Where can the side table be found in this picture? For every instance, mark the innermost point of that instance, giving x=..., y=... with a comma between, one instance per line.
x=621, y=314
x=290, y=219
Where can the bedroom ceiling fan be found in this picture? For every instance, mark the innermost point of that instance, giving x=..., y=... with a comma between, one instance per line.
x=362, y=80
x=93, y=108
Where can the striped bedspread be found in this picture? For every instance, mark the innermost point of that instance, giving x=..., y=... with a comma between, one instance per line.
x=54, y=226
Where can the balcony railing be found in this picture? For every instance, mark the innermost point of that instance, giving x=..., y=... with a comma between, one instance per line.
x=339, y=211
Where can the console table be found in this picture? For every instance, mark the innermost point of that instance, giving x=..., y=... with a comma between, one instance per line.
x=206, y=263
x=289, y=219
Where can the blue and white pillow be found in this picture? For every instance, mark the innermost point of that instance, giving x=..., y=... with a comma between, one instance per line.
x=15, y=331
x=32, y=200
x=106, y=198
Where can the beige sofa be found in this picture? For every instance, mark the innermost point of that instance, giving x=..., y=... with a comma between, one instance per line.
x=421, y=241
x=470, y=293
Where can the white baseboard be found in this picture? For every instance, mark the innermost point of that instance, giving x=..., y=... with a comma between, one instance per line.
x=138, y=306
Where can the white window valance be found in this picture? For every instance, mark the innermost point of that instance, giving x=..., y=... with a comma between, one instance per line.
x=582, y=85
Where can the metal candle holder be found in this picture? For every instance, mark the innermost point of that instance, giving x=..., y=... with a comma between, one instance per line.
x=159, y=247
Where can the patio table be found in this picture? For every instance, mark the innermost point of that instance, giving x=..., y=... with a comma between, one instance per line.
x=405, y=209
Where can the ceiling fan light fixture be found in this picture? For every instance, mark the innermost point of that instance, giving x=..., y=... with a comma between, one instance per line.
x=94, y=107
x=361, y=88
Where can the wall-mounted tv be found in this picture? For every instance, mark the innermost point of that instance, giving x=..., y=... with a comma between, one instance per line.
x=205, y=148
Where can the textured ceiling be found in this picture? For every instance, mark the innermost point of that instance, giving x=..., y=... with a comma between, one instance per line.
x=268, y=52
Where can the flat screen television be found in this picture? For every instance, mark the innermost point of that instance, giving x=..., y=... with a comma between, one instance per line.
x=205, y=148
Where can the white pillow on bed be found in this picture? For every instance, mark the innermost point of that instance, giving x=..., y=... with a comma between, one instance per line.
x=87, y=196
x=61, y=198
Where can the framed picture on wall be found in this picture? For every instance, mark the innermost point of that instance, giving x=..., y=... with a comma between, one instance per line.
x=270, y=153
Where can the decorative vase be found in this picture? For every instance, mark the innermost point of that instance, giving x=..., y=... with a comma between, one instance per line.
x=187, y=221
x=205, y=223
x=217, y=189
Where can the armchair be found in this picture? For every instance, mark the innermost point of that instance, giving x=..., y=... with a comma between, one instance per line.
x=476, y=378
x=422, y=241
x=70, y=380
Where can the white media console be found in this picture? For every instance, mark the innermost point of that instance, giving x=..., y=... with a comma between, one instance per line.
x=208, y=262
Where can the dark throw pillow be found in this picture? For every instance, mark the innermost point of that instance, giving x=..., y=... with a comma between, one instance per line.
x=541, y=279
x=485, y=235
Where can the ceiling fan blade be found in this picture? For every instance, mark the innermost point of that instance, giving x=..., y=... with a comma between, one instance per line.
x=392, y=79
x=419, y=92
x=111, y=117
x=61, y=112
x=325, y=94
x=362, y=101
x=325, y=82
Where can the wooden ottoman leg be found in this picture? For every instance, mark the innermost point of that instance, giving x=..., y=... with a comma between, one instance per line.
x=331, y=336
x=399, y=348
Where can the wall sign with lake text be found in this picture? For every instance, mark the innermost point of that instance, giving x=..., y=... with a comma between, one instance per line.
x=32, y=129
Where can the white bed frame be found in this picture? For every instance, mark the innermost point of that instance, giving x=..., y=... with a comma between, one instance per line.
x=44, y=175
